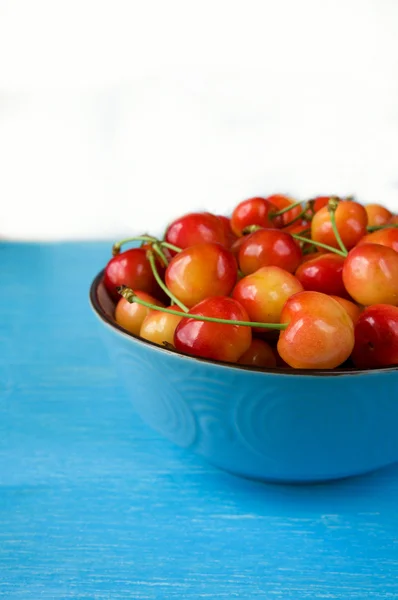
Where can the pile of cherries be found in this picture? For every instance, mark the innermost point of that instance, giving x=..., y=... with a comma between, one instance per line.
x=279, y=284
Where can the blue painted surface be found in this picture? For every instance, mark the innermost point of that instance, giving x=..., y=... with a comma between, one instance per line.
x=94, y=504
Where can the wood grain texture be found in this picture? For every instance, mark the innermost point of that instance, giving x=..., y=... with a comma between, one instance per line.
x=93, y=504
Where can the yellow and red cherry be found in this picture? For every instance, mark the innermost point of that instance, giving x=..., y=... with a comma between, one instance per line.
x=377, y=214
x=370, y=274
x=319, y=335
x=265, y=292
x=385, y=237
x=159, y=327
x=351, y=221
x=354, y=310
x=130, y=316
x=217, y=341
x=200, y=271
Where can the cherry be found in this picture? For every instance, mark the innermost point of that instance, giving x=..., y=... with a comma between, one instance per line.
x=352, y=309
x=201, y=271
x=370, y=274
x=196, y=228
x=265, y=292
x=230, y=237
x=323, y=273
x=301, y=226
x=376, y=337
x=259, y=354
x=254, y=211
x=385, y=237
x=130, y=268
x=282, y=202
x=159, y=327
x=130, y=316
x=216, y=341
x=351, y=221
x=320, y=334
x=377, y=214
x=393, y=220
x=319, y=202
x=266, y=247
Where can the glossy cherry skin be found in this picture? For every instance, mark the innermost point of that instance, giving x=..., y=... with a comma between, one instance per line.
x=320, y=334
x=217, y=341
x=230, y=237
x=319, y=202
x=254, y=211
x=324, y=273
x=130, y=268
x=196, y=228
x=377, y=214
x=376, y=337
x=280, y=202
x=370, y=275
x=159, y=327
x=267, y=247
x=131, y=316
x=201, y=271
x=352, y=309
x=265, y=292
x=385, y=237
x=351, y=221
x=259, y=354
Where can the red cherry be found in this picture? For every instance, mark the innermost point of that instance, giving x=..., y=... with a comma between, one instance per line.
x=351, y=222
x=280, y=202
x=301, y=226
x=132, y=269
x=320, y=334
x=230, y=237
x=196, y=228
x=377, y=214
x=131, y=315
x=218, y=341
x=385, y=237
x=376, y=337
x=259, y=354
x=264, y=293
x=254, y=211
x=201, y=271
x=370, y=275
x=319, y=202
x=323, y=273
x=267, y=247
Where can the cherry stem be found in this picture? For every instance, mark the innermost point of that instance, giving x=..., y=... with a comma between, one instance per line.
x=332, y=207
x=128, y=294
x=139, y=238
x=170, y=246
x=371, y=228
x=285, y=210
x=164, y=287
x=302, y=215
x=317, y=244
x=251, y=229
x=157, y=248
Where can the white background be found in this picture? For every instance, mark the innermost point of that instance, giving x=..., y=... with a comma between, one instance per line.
x=117, y=116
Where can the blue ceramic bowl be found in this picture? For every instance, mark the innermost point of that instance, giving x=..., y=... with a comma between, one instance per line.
x=274, y=425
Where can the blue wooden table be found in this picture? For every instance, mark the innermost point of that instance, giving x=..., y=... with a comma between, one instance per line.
x=93, y=504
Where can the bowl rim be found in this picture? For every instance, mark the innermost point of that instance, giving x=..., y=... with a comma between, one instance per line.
x=97, y=308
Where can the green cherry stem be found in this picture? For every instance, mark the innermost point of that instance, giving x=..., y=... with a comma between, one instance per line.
x=157, y=248
x=139, y=238
x=371, y=228
x=128, y=294
x=318, y=244
x=170, y=246
x=332, y=207
x=164, y=287
x=285, y=210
